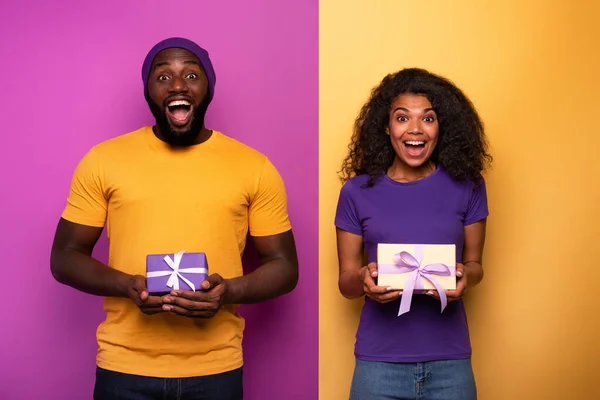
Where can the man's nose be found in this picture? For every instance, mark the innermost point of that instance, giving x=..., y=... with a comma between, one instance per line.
x=178, y=85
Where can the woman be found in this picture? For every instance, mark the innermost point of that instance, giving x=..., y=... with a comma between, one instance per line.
x=413, y=175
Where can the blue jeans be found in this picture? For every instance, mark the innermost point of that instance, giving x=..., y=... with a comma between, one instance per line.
x=118, y=386
x=434, y=380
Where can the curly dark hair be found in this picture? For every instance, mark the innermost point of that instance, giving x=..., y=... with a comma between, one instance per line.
x=462, y=145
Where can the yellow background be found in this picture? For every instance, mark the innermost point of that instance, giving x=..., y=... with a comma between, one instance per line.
x=531, y=68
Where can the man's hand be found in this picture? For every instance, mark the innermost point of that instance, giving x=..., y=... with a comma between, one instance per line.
x=461, y=286
x=205, y=302
x=379, y=294
x=137, y=291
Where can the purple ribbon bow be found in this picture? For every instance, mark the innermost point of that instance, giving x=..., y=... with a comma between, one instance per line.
x=406, y=262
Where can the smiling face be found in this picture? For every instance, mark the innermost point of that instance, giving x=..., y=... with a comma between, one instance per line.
x=177, y=87
x=413, y=129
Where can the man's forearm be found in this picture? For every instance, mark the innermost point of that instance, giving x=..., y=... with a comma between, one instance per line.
x=85, y=273
x=272, y=279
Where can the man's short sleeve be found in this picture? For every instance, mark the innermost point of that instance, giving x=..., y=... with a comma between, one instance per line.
x=268, y=213
x=86, y=203
x=477, y=206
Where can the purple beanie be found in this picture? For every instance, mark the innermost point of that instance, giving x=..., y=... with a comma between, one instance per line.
x=188, y=45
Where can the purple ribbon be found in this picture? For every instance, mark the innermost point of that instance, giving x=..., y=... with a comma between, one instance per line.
x=406, y=262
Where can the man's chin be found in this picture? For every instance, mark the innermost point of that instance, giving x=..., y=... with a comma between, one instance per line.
x=181, y=138
x=180, y=130
x=178, y=135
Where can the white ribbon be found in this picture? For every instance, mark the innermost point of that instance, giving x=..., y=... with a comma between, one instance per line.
x=175, y=274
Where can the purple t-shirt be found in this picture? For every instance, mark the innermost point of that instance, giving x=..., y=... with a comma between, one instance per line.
x=433, y=210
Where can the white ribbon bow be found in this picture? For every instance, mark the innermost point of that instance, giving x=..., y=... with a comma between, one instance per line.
x=175, y=274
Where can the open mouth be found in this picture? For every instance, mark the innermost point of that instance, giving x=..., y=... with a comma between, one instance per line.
x=415, y=148
x=179, y=112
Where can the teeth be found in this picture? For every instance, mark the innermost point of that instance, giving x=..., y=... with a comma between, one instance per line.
x=414, y=143
x=179, y=103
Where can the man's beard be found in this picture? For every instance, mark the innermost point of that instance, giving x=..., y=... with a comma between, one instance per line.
x=178, y=138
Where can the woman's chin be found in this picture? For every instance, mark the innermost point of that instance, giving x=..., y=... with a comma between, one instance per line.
x=415, y=163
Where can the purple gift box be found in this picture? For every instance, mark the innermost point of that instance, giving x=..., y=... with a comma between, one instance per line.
x=179, y=271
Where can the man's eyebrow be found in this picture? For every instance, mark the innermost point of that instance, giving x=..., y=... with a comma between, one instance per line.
x=160, y=64
x=163, y=63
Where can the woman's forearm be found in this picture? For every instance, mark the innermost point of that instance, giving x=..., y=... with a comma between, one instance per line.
x=474, y=273
x=351, y=284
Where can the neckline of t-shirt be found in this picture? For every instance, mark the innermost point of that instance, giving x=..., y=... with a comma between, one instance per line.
x=418, y=181
x=209, y=143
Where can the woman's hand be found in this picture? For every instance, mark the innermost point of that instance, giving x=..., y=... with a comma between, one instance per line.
x=470, y=273
x=463, y=282
x=461, y=286
x=380, y=294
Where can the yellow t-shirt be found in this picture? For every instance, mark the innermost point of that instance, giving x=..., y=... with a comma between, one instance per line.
x=155, y=199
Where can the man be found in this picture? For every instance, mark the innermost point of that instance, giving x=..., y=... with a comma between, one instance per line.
x=174, y=186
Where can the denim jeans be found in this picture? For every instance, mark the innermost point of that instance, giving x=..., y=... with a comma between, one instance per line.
x=434, y=380
x=118, y=386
